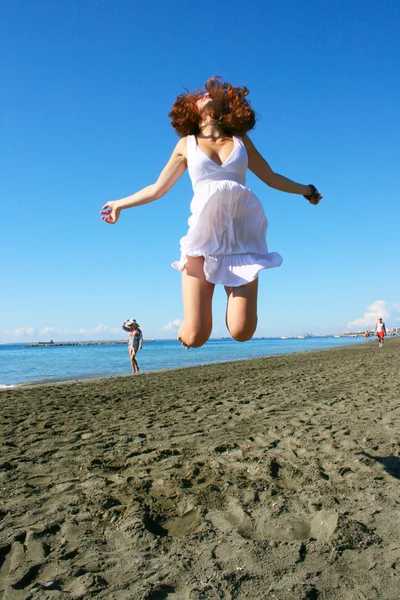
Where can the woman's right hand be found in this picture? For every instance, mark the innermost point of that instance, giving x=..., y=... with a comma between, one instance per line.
x=110, y=212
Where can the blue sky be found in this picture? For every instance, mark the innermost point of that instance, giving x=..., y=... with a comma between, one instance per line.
x=84, y=101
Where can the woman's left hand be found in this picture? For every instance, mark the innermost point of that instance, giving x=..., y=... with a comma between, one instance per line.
x=315, y=198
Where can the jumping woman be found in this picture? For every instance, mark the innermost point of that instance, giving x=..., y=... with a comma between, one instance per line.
x=226, y=241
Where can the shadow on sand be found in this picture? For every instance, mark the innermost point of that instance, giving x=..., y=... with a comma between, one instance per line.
x=391, y=463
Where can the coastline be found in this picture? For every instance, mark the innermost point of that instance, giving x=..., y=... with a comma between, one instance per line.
x=204, y=357
x=271, y=477
x=107, y=378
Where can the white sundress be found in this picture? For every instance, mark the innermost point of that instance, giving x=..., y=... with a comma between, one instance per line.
x=228, y=225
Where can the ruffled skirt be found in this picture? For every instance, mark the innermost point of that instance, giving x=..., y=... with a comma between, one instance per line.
x=228, y=228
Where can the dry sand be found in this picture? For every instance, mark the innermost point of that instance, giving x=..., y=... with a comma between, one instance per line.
x=268, y=478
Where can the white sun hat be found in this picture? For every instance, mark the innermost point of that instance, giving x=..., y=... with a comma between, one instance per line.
x=130, y=322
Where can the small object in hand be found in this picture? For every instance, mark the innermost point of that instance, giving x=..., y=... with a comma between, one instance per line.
x=314, y=193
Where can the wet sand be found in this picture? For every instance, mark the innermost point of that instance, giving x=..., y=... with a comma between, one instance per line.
x=268, y=478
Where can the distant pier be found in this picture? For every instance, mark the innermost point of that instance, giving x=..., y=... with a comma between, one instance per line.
x=52, y=344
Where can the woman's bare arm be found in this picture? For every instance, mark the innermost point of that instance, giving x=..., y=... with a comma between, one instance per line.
x=259, y=166
x=174, y=168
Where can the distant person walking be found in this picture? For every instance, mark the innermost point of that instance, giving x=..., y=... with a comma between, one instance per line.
x=366, y=335
x=380, y=330
x=135, y=341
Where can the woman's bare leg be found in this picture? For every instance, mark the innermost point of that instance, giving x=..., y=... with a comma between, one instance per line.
x=241, y=310
x=197, y=294
x=133, y=360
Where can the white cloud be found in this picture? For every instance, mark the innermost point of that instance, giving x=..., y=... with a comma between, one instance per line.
x=20, y=331
x=99, y=329
x=174, y=324
x=47, y=330
x=379, y=308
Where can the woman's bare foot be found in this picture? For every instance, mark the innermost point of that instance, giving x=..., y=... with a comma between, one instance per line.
x=183, y=343
x=180, y=338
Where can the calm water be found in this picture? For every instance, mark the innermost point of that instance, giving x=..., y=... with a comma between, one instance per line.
x=20, y=365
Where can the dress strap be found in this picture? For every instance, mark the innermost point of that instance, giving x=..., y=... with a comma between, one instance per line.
x=240, y=141
x=190, y=146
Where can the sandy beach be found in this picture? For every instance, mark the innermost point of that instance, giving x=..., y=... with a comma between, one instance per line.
x=268, y=478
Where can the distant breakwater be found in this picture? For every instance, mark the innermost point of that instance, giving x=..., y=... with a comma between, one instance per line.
x=63, y=344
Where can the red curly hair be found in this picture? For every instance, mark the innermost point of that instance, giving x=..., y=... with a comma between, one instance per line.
x=236, y=115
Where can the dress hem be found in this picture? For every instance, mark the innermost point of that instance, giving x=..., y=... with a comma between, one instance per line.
x=233, y=275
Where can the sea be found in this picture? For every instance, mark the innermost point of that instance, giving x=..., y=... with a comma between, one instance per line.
x=21, y=364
